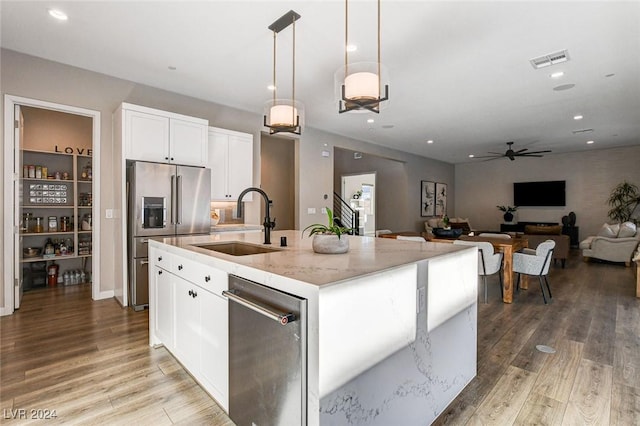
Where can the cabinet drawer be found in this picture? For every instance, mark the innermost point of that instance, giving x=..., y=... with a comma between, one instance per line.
x=161, y=259
x=204, y=276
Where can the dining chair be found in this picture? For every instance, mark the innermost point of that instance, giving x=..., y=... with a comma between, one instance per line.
x=489, y=262
x=406, y=238
x=536, y=263
x=494, y=235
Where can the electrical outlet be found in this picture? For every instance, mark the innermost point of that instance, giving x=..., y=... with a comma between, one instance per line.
x=420, y=295
x=311, y=210
x=323, y=210
x=108, y=213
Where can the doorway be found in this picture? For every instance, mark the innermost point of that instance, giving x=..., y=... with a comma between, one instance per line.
x=360, y=192
x=51, y=172
x=278, y=178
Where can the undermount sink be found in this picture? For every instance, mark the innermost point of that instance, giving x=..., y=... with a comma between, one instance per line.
x=237, y=249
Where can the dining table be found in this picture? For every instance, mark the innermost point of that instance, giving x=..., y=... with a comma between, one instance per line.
x=507, y=246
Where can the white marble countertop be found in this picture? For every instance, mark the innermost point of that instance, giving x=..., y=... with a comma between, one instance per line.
x=235, y=227
x=297, y=261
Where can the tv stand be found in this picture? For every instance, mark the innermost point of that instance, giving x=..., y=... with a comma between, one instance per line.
x=519, y=227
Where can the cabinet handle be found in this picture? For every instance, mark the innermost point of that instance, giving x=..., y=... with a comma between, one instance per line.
x=207, y=278
x=195, y=294
x=159, y=258
x=191, y=293
x=159, y=272
x=179, y=267
x=166, y=158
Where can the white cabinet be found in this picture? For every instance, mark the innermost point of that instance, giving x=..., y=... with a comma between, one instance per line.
x=214, y=352
x=163, y=311
x=231, y=164
x=163, y=137
x=189, y=316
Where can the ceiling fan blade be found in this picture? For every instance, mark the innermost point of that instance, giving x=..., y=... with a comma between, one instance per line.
x=522, y=150
x=489, y=156
x=496, y=153
x=530, y=155
x=536, y=152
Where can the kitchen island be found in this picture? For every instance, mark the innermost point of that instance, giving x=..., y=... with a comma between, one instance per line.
x=390, y=331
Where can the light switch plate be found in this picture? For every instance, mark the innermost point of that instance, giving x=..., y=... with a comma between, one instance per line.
x=311, y=210
x=108, y=213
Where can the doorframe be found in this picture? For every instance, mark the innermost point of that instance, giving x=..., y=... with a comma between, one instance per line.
x=375, y=183
x=10, y=177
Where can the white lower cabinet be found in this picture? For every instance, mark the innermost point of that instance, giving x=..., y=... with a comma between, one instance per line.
x=214, y=352
x=187, y=313
x=163, y=313
x=191, y=320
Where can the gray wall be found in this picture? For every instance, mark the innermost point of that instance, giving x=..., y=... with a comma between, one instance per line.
x=590, y=176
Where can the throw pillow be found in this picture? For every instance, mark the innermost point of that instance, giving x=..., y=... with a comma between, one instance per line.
x=543, y=230
x=609, y=231
x=627, y=229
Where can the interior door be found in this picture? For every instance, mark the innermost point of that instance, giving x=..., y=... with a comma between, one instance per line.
x=17, y=218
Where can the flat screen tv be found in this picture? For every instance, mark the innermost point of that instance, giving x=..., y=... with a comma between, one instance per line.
x=548, y=193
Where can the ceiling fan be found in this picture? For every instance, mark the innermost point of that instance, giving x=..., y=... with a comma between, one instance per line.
x=511, y=154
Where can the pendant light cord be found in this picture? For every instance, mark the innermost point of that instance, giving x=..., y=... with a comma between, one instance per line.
x=346, y=37
x=379, y=75
x=293, y=89
x=275, y=88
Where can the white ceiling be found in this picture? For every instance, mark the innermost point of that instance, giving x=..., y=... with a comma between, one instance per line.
x=460, y=72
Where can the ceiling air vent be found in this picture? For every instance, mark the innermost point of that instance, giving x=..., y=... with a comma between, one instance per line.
x=550, y=59
x=576, y=132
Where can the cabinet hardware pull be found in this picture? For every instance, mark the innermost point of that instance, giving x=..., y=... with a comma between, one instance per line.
x=159, y=258
x=283, y=318
x=159, y=272
x=195, y=294
x=207, y=278
x=190, y=293
x=179, y=267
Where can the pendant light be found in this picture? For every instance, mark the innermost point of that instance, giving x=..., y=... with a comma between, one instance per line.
x=284, y=115
x=358, y=85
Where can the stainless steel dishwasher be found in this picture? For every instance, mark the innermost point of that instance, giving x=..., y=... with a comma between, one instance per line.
x=267, y=355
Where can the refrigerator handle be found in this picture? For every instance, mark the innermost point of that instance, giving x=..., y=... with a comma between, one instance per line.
x=179, y=200
x=173, y=199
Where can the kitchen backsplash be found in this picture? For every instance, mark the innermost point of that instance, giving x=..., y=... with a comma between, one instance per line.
x=226, y=213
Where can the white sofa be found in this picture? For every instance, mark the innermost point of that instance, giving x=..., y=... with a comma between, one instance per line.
x=615, y=243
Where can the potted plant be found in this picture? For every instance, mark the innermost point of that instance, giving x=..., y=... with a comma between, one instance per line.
x=624, y=199
x=508, y=212
x=329, y=239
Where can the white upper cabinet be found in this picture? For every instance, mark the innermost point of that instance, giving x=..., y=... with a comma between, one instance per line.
x=231, y=164
x=164, y=137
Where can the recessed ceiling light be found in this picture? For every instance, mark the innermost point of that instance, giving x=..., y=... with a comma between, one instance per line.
x=557, y=74
x=578, y=117
x=589, y=142
x=429, y=141
x=58, y=14
x=352, y=47
x=609, y=75
x=564, y=87
x=388, y=126
x=370, y=120
x=271, y=87
x=471, y=155
x=172, y=68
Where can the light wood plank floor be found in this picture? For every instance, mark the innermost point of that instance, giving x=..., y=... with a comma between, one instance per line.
x=91, y=363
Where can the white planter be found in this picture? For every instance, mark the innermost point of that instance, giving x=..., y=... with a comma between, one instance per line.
x=330, y=244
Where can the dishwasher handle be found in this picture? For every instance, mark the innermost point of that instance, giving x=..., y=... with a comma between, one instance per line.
x=282, y=318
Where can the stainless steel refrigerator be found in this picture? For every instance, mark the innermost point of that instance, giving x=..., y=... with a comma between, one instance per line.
x=163, y=200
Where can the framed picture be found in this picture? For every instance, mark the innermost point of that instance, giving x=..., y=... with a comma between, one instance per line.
x=427, y=198
x=441, y=198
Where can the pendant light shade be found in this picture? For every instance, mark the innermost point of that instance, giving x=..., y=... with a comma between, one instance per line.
x=361, y=86
x=284, y=115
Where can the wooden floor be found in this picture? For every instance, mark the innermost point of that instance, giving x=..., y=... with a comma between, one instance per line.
x=90, y=361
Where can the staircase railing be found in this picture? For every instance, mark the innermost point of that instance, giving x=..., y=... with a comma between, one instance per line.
x=344, y=215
